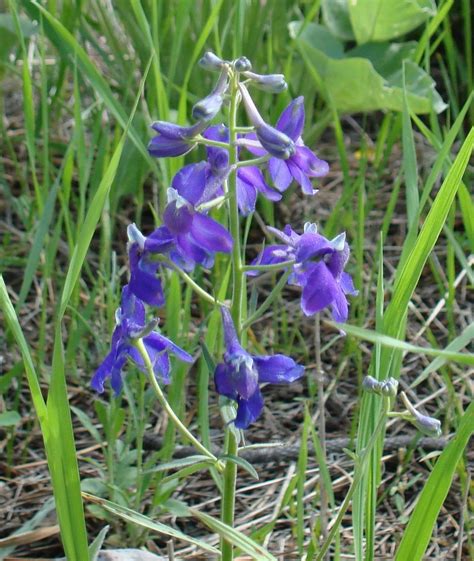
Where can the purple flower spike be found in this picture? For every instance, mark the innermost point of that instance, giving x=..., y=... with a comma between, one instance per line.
x=173, y=140
x=318, y=267
x=131, y=325
x=239, y=376
x=302, y=164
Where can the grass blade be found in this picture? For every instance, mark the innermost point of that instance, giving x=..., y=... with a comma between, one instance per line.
x=420, y=527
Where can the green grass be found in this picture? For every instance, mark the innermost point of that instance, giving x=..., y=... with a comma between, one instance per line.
x=76, y=171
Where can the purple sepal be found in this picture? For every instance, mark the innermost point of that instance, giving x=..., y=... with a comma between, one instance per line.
x=239, y=376
x=130, y=318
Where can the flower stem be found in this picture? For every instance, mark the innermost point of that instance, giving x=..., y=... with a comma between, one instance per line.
x=166, y=406
x=268, y=301
x=254, y=162
x=272, y=267
x=321, y=423
x=188, y=280
x=238, y=290
x=209, y=142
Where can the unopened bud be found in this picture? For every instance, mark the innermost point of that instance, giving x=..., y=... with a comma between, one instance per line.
x=271, y=83
x=275, y=142
x=370, y=384
x=427, y=425
x=207, y=108
x=210, y=61
x=424, y=423
x=242, y=64
x=389, y=387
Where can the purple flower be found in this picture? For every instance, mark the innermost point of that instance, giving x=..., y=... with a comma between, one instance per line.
x=131, y=325
x=318, y=267
x=302, y=164
x=173, y=140
x=144, y=282
x=239, y=376
x=196, y=236
x=201, y=182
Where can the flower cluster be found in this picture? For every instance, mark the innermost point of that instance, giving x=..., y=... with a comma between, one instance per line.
x=241, y=163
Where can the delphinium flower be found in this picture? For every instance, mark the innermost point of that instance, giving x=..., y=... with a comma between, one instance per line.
x=196, y=235
x=199, y=183
x=187, y=238
x=131, y=325
x=290, y=158
x=317, y=265
x=239, y=376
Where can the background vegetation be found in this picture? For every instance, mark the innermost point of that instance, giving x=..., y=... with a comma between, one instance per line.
x=389, y=104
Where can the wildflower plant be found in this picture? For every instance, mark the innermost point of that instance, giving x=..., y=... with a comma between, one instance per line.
x=241, y=163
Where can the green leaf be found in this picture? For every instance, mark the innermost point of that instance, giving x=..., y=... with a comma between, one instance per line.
x=181, y=462
x=372, y=74
x=9, y=35
x=247, y=466
x=145, y=522
x=420, y=527
x=336, y=18
x=233, y=536
x=460, y=342
x=392, y=342
x=381, y=20
x=96, y=545
x=9, y=418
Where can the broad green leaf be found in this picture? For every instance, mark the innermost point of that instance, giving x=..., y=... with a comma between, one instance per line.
x=336, y=18
x=420, y=527
x=244, y=543
x=9, y=418
x=9, y=35
x=381, y=20
x=336, y=73
x=145, y=522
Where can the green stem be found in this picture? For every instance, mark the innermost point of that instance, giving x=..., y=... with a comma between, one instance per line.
x=267, y=302
x=272, y=267
x=238, y=289
x=254, y=162
x=166, y=406
x=358, y=475
x=189, y=281
x=209, y=142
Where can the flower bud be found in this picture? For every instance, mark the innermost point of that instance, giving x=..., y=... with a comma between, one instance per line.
x=424, y=423
x=271, y=83
x=370, y=384
x=242, y=64
x=211, y=62
x=207, y=108
x=427, y=425
x=389, y=387
x=275, y=142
